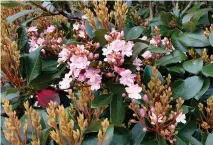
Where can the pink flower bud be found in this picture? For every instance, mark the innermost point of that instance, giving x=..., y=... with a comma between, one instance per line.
x=90, y=56
x=123, y=95
x=142, y=112
x=144, y=129
x=107, y=37
x=145, y=98
x=96, y=56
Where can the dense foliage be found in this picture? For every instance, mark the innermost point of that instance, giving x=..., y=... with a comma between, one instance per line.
x=107, y=73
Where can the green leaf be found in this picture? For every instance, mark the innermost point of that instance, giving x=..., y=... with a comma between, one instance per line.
x=193, y=66
x=117, y=89
x=195, y=7
x=196, y=39
x=188, y=88
x=205, y=87
x=117, y=110
x=23, y=40
x=208, y=70
x=176, y=68
x=137, y=134
x=99, y=36
x=89, y=29
x=109, y=135
x=33, y=64
x=148, y=74
x=137, y=48
x=161, y=141
x=175, y=57
x=134, y=33
x=102, y=100
x=166, y=18
x=177, y=43
x=11, y=4
x=49, y=64
x=211, y=38
x=90, y=140
x=165, y=31
x=156, y=49
x=45, y=78
x=209, y=140
x=121, y=136
x=11, y=93
x=19, y=14
x=94, y=127
x=45, y=135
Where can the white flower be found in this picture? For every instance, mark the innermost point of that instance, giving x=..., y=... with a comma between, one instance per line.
x=81, y=34
x=76, y=26
x=133, y=91
x=65, y=83
x=181, y=118
x=155, y=119
x=144, y=38
x=63, y=55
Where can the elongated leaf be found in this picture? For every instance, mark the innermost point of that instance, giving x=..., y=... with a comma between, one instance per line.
x=166, y=18
x=23, y=40
x=205, y=87
x=137, y=134
x=211, y=38
x=137, y=48
x=117, y=110
x=176, y=68
x=102, y=100
x=193, y=66
x=209, y=140
x=188, y=88
x=208, y=70
x=89, y=29
x=175, y=57
x=19, y=14
x=49, y=64
x=99, y=36
x=33, y=65
x=11, y=4
x=134, y=33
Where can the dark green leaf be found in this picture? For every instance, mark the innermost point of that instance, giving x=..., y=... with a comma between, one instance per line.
x=208, y=70
x=188, y=88
x=166, y=18
x=117, y=89
x=177, y=43
x=176, y=68
x=117, y=110
x=137, y=134
x=121, y=136
x=205, y=87
x=148, y=74
x=156, y=49
x=137, y=48
x=102, y=100
x=99, y=36
x=165, y=31
x=19, y=14
x=49, y=64
x=193, y=66
x=45, y=135
x=23, y=40
x=33, y=65
x=175, y=57
x=94, y=127
x=161, y=141
x=134, y=33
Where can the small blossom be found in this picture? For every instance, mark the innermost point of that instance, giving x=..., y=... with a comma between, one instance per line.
x=155, y=119
x=76, y=26
x=153, y=42
x=181, y=118
x=94, y=78
x=82, y=34
x=40, y=41
x=133, y=91
x=144, y=38
x=51, y=29
x=127, y=78
x=147, y=54
x=145, y=98
x=63, y=55
x=32, y=29
x=137, y=62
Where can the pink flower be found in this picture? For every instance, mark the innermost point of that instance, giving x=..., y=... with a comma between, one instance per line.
x=81, y=34
x=51, y=29
x=79, y=62
x=142, y=112
x=128, y=49
x=137, y=62
x=94, y=78
x=133, y=91
x=127, y=78
x=40, y=41
x=181, y=118
x=107, y=37
x=63, y=55
x=155, y=119
x=59, y=40
x=153, y=42
x=45, y=96
x=32, y=29
x=147, y=54
x=145, y=98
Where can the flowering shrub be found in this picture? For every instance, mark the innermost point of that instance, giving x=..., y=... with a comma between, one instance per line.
x=107, y=73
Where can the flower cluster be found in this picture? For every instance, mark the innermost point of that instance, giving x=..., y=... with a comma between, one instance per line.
x=79, y=30
x=157, y=109
x=50, y=38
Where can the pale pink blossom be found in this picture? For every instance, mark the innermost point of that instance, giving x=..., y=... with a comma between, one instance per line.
x=147, y=54
x=79, y=62
x=32, y=29
x=51, y=29
x=94, y=78
x=63, y=55
x=65, y=83
x=181, y=118
x=153, y=42
x=59, y=40
x=154, y=119
x=138, y=63
x=134, y=91
x=128, y=49
x=127, y=78
x=81, y=34
x=40, y=41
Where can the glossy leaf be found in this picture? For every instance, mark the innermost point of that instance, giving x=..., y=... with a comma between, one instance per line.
x=209, y=140
x=188, y=88
x=19, y=14
x=211, y=38
x=99, y=36
x=23, y=40
x=102, y=100
x=137, y=134
x=117, y=110
x=166, y=18
x=156, y=49
x=175, y=57
x=176, y=68
x=137, y=48
x=134, y=33
x=208, y=70
x=89, y=29
x=205, y=87
x=193, y=66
